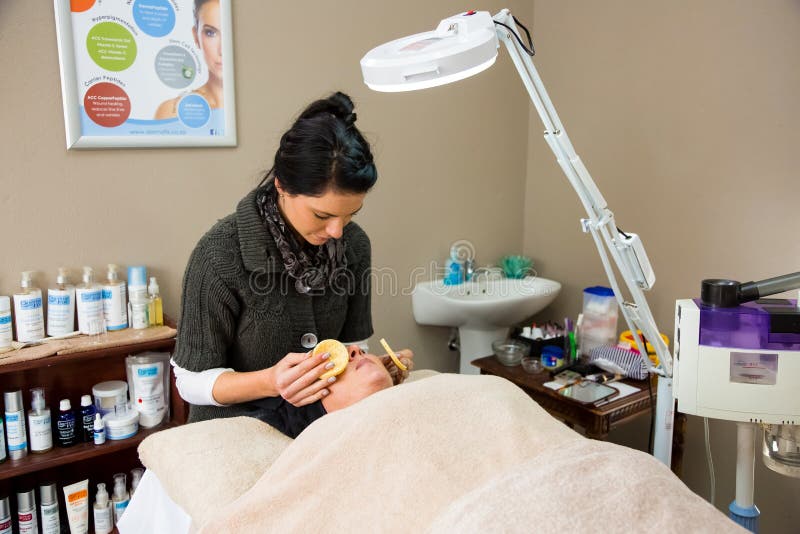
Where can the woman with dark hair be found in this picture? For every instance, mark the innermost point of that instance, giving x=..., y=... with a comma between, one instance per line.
x=286, y=270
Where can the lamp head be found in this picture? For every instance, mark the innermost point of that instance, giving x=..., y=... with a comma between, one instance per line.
x=460, y=47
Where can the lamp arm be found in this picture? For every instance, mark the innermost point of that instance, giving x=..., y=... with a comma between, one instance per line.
x=627, y=254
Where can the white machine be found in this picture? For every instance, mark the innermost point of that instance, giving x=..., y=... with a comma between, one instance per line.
x=738, y=360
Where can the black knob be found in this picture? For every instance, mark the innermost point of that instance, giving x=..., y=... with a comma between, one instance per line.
x=720, y=293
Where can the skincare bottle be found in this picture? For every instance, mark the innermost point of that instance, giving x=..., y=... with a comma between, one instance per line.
x=115, y=300
x=39, y=423
x=136, y=477
x=48, y=507
x=15, y=426
x=26, y=512
x=28, y=310
x=61, y=306
x=88, y=412
x=5, y=516
x=6, y=335
x=453, y=269
x=89, y=301
x=99, y=430
x=121, y=497
x=137, y=293
x=66, y=424
x=103, y=517
x=155, y=308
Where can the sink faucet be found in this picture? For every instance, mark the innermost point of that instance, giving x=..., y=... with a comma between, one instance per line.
x=469, y=269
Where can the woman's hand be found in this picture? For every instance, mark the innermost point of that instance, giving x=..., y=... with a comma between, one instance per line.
x=406, y=357
x=296, y=377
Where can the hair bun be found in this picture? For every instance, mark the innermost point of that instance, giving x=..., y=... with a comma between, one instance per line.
x=338, y=104
x=342, y=107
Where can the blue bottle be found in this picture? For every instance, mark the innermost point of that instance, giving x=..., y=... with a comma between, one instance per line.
x=453, y=272
x=87, y=419
x=66, y=424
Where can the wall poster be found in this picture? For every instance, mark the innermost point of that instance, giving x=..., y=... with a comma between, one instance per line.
x=146, y=73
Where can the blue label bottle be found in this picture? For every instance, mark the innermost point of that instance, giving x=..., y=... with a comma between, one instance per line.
x=66, y=424
x=87, y=419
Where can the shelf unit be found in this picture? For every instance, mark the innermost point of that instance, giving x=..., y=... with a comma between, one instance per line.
x=68, y=377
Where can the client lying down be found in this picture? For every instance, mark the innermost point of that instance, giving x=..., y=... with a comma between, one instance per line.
x=441, y=453
x=358, y=375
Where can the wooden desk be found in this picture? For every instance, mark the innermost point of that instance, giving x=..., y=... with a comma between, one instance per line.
x=597, y=421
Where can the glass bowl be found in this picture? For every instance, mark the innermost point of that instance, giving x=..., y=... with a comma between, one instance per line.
x=531, y=365
x=509, y=352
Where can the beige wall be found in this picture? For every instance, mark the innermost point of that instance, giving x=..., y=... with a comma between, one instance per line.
x=665, y=102
x=439, y=174
x=686, y=114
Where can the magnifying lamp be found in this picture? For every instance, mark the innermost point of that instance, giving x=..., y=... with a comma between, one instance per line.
x=465, y=45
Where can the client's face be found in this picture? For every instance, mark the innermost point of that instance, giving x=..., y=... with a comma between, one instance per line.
x=364, y=375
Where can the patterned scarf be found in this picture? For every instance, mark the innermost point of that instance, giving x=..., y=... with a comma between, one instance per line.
x=312, y=267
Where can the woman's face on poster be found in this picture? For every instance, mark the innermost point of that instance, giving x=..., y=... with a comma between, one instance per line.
x=208, y=37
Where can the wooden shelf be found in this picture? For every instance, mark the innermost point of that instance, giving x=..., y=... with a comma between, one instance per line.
x=68, y=376
x=101, y=353
x=83, y=451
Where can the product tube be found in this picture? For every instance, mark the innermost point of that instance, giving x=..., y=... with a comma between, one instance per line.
x=77, y=498
x=137, y=297
x=26, y=513
x=2, y=446
x=5, y=516
x=48, y=506
x=15, y=426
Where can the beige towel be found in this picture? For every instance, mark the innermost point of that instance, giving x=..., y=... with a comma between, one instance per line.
x=451, y=452
x=206, y=465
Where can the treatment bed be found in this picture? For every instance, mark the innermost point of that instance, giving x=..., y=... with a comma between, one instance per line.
x=439, y=453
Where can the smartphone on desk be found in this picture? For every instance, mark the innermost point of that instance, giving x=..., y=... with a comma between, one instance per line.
x=588, y=392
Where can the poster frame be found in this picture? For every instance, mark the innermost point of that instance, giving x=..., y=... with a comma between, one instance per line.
x=75, y=136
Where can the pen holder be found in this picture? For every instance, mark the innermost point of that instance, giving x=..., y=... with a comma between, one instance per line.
x=535, y=346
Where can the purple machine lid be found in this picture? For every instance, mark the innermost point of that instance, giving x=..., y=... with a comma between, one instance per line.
x=772, y=324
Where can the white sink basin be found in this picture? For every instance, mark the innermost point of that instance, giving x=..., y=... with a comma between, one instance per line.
x=482, y=310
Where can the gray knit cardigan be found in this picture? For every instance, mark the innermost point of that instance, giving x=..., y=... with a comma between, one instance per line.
x=240, y=309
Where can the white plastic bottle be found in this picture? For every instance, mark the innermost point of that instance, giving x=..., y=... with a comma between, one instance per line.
x=103, y=517
x=89, y=300
x=61, y=306
x=136, y=477
x=6, y=335
x=99, y=431
x=137, y=293
x=48, y=506
x=39, y=423
x=28, y=310
x=121, y=497
x=115, y=300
